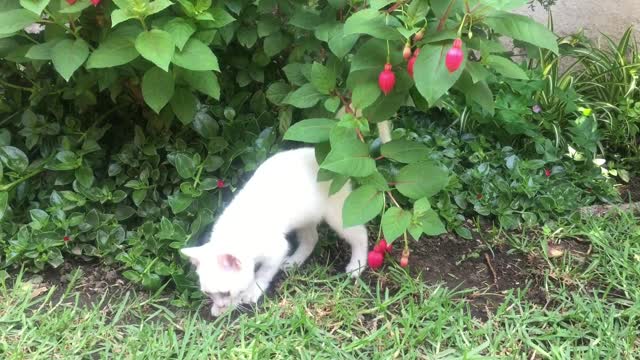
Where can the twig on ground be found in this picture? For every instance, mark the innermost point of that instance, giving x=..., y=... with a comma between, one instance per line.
x=493, y=271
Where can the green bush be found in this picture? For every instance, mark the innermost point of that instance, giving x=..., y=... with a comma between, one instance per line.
x=128, y=124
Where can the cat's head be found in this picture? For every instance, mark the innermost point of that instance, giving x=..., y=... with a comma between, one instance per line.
x=221, y=274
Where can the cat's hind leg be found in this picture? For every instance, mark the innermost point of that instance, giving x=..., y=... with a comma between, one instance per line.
x=307, y=240
x=356, y=236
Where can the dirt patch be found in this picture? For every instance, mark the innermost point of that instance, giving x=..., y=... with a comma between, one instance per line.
x=91, y=280
x=630, y=192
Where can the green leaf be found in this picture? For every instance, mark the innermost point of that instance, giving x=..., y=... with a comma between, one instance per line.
x=310, y=130
x=138, y=196
x=405, y=151
x=337, y=183
x=362, y=205
x=14, y=158
x=39, y=217
x=417, y=11
x=431, y=224
x=180, y=30
x=220, y=17
x=84, y=175
x=332, y=104
x=348, y=156
x=506, y=67
x=365, y=94
x=372, y=22
x=523, y=28
x=277, y=92
x=16, y=20
x=479, y=92
x=184, y=105
x=113, y=51
x=304, y=97
x=431, y=75
x=4, y=203
x=205, y=125
x=322, y=78
x=386, y=106
x=247, y=36
x=421, y=179
x=68, y=55
x=340, y=43
x=196, y=56
x=415, y=230
x=395, y=222
x=35, y=6
x=185, y=166
x=275, y=43
x=421, y=206
x=205, y=82
x=156, y=6
x=179, y=202
x=477, y=71
x=121, y=15
x=157, y=88
x=156, y=46
x=504, y=5
x=42, y=51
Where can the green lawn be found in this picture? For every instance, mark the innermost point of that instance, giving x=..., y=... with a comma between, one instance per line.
x=592, y=311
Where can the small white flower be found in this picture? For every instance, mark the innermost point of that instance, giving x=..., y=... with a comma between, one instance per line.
x=21, y=68
x=34, y=28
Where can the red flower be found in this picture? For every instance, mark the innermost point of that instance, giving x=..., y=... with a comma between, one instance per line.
x=375, y=260
x=412, y=62
x=220, y=184
x=387, y=79
x=95, y=2
x=71, y=2
x=547, y=172
x=454, y=56
x=479, y=196
x=66, y=239
x=382, y=247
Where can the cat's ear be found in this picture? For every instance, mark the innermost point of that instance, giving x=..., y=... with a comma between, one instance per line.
x=192, y=253
x=229, y=262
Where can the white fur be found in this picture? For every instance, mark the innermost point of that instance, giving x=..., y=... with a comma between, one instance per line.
x=282, y=196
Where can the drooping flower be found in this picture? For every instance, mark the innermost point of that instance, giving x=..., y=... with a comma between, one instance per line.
x=386, y=79
x=95, y=2
x=375, y=260
x=547, y=172
x=66, y=239
x=220, y=184
x=455, y=56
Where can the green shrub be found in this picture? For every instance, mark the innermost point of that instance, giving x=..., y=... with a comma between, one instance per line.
x=120, y=119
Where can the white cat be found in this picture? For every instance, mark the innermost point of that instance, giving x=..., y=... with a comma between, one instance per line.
x=247, y=244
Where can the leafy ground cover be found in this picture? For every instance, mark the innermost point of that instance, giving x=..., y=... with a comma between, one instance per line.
x=579, y=298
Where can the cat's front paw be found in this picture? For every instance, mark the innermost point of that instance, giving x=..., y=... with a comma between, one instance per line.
x=355, y=268
x=217, y=309
x=251, y=295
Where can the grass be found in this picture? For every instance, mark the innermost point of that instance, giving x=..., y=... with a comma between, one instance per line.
x=592, y=311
